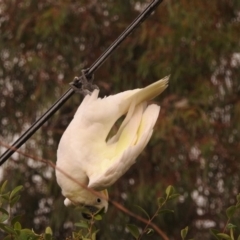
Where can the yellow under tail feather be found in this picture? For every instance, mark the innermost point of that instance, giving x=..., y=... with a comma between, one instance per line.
x=150, y=92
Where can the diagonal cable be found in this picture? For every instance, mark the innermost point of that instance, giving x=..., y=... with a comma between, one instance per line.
x=26, y=135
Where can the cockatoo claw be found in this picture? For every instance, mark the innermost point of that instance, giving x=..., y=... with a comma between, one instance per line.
x=84, y=84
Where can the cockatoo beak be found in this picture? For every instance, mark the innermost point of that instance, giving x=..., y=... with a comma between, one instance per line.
x=105, y=193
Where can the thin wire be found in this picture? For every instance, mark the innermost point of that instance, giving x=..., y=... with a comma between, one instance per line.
x=26, y=135
x=141, y=18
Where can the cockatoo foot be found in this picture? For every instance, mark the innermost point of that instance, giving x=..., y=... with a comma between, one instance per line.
x=84, y=84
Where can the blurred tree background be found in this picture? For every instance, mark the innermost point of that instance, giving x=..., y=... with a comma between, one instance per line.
x=196, y=143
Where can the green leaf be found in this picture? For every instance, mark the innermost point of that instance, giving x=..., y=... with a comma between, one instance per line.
x=48, y=230
x=3, y=218
x=173, y=196
x=98, y=217
x=15, y=219
x=169, y=191
x=231, y=226
x=4, y=215
x=100, y=211
x=184, y=232
x=142, y=210
x=224, y=236
x=149, y=231
x=48, y=236
x=17, y=226
x=165, y=211
x=161, y=201
x=9, y=230
x=2, y=210
x=3, y=187
x=230, y=211
x=76, y=234
x=133, y=229
x=2, y=225
x=28, y=234
x=214, y=232
x=94, y=235
x=5, y=196
x=238, y=198
x=14, y=200
x=15, y=191
x=81, y=224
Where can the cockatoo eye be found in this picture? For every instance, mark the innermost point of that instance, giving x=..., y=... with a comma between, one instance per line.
x=99, y=200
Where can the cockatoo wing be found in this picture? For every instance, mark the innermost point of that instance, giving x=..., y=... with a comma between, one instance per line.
x=129, y=144
x=100, y=114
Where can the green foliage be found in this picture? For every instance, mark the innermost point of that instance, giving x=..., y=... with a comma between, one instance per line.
x=87, y=229
x=133, y=230
x=184, y=233
x=10, y=224
x=161, y=204
x=228, y=232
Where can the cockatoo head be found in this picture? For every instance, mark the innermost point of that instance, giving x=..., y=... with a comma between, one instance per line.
x=90, y=201
x=96, y=203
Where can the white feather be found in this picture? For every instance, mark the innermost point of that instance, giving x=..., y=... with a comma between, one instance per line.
x=88, y=157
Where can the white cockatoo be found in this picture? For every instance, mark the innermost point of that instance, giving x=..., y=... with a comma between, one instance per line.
x=87, y=155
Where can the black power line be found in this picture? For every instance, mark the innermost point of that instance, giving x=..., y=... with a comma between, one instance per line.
x=22, y=139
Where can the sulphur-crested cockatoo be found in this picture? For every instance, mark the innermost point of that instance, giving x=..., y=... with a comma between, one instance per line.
x=85, y=153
